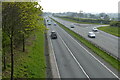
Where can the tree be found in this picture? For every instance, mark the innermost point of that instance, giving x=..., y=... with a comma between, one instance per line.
x=115, y=23
x=19, y=19
x=92, y=16
x=104, y=16
x=81, y=14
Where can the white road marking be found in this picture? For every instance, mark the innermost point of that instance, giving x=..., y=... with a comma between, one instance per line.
x=74, y=57
x=55, y=59
x=92, y=55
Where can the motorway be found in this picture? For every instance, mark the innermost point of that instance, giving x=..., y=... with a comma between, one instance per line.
x=104, y=40
x=74, y=60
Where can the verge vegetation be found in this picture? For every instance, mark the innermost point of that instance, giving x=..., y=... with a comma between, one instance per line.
x=22, y=40
x=31, y=63
x=85, y=21
x=111, y=30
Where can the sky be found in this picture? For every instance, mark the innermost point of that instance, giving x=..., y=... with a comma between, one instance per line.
x=87, y=6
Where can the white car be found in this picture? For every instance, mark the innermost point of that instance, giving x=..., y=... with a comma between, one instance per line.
x=72, y=26
x=95, y=29
x=49, y=23
x=91, y=35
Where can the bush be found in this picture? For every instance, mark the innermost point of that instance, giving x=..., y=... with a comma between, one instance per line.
x=87, y=20
x=115, y=23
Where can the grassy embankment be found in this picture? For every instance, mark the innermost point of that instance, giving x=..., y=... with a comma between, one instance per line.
x=111, y=30
x=0, y=51
x=71, y=20
x=114, y=62
x=31, y=63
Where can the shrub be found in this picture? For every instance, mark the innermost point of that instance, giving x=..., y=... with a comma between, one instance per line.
x=115, y=23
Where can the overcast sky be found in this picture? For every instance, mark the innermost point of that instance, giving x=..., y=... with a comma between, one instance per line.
x=92, y=6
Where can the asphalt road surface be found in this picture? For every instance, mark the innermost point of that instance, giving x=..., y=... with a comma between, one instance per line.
x=75, y=61
x=104, y=40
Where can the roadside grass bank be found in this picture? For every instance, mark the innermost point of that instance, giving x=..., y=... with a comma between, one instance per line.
x=1, y=52
x=31, y=63
x=114, y=62
x=111, y=30
x=0, y=39
x=71, y=20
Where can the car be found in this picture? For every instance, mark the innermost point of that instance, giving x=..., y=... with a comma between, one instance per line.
x=55, y=24
x=95, y=29
x=91, y=35
x=53, y=35
x=49, y=23
x=72, y=26
x=47, y=20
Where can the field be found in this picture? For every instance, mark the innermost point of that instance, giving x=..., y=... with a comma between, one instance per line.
x=71, y=20
x=111, y=30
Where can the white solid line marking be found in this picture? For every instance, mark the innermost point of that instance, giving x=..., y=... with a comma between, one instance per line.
x=74, y=57
x=93, y=56
x=55, y=59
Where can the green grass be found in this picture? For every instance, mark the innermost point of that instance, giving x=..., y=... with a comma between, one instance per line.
x=98, y=51
x=31, y=63
x=0, y=51
x=112, y=30
x=0, y=37
x=79, y=21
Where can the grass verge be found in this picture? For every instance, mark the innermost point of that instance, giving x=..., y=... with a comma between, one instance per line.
x=31, y=63
x=114, y=62
x=111, y=29
x=79, y=21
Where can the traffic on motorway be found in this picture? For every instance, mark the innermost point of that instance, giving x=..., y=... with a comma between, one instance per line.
x=105, y=41
x=74, y=60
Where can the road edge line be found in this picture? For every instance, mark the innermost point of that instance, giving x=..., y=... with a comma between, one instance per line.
x=92, y=55
x=74, y=57
x=54, y=66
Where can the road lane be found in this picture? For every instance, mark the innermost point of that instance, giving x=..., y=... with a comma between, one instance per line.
x=68, y=68
x=105, y=41
x=91, y=66
x=66, y=64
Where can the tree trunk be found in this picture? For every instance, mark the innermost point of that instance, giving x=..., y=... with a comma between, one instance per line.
x=4, y=61
x=12, y=57
x=23, y=43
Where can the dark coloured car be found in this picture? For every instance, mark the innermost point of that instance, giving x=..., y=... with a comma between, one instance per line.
x=47, y=20
x=53, y=35
x=55, y=24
